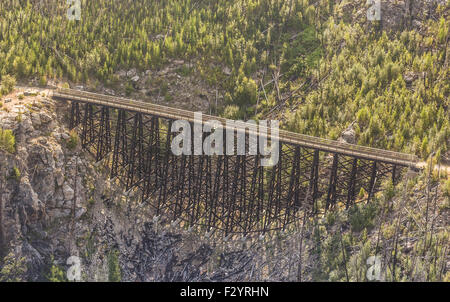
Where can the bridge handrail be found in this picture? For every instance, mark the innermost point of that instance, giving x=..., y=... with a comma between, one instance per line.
x=283, y=135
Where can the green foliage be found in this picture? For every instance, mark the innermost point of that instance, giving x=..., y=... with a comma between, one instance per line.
x=73, y=140
x=168, y=97
x=129, y=89
x=357, y=263
x=43, y=81
x=332, y=258
x=388, y=190
x=15, y=174
x=164, y=87
x=19, y=115
x=184, y=70
x=392, y=86
x=56, y=273
x=114, y=274
x=362, y=216
x=232, y=112
x=7, y=84
x=7, y=141
x=245, y=92
x=362, y=193
x=48, y=46
x=447, y=188
x=14, y=269
x=363, y=117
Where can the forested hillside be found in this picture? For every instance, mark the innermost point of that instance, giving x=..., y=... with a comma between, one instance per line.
x=319, y=62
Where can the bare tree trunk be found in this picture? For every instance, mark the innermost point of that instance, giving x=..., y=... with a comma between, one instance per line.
x=300, y=268
x=428, y=202
x=396, y=235
x=74, y=201
x=2, y=248
x=343, y=255
x=397, y=228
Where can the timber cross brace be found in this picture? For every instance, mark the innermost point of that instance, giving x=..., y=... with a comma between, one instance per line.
x=231, y=193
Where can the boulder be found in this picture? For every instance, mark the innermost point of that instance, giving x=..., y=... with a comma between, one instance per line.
x=68, y=192
x=45, y=118
x=65, y=136
x=79, y=212
x=58, y=156
x=30, y=92
x=27, y=125
x=59, y=177
x=60, y=213
x=36, y=119
x=227, y=71
x=348, y=135
x=410, y=77
x=33, y=207
x=131, y=73
x=109, y=91
x=44, y=185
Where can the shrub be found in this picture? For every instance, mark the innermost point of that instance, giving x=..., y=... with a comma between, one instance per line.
x=168, y=97
x=246, y=92
x=184, y=71
x=114, y=274
x=447, y=188
x=19, y=117
x=362, y=216
x=362, y=193
x=232, y=112
x=56, y=273
x=8, y=83
x=164, y=88
x=7, y=141
x=43, y=81
x=14, y=269
x=16, y=174
x=73, y=140
x=129, y=89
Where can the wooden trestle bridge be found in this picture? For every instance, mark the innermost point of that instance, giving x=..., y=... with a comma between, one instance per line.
x=232, y=193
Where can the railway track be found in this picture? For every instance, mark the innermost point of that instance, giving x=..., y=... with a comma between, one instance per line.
x=307, y=141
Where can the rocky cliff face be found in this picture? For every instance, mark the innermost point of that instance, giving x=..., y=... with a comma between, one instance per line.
x=38, y=184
